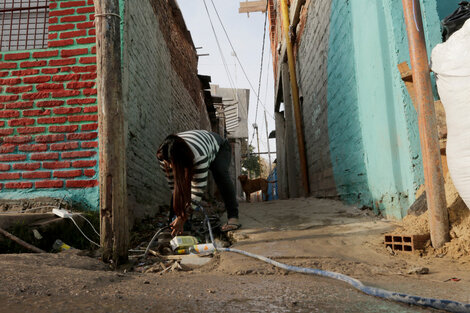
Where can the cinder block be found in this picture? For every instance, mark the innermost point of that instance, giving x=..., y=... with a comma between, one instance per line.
x=407, y=243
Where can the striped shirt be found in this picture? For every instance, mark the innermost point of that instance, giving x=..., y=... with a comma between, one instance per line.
x=205, y=146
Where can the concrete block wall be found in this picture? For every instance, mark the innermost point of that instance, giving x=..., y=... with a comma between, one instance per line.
x=159, y=100
x=48, y=112
x=360, y=126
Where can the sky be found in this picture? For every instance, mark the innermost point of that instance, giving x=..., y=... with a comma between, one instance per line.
x=246, y=35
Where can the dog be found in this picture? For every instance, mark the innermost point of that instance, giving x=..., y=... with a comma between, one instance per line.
x=252, y=185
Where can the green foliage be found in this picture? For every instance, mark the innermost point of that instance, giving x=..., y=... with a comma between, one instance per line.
x=251, y=163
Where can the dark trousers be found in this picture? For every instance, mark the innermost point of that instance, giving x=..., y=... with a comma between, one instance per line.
x=220, y=171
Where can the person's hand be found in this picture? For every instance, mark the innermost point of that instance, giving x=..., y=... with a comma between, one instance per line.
x=177, y=226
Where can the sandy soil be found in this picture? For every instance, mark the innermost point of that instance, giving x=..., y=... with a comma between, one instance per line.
x=306, y=232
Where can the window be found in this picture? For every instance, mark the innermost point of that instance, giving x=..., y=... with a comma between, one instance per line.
x=23, y=24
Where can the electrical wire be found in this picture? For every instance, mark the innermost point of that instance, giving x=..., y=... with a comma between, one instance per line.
x=261, y=66
x=96, y=232
x=236, y=56
x=70, y=217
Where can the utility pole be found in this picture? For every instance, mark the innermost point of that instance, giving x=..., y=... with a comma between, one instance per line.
x=114, y=224
x=267, y=140
x=432, y=164
x=255, y=126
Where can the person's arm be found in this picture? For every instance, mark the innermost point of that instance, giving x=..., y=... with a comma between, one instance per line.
x=199, y=181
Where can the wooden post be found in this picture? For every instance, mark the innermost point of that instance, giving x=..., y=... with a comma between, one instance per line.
x=433, y=179
x=295, y=98
x=112, y=156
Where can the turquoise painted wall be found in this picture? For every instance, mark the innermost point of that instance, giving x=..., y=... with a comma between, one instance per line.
x=446, y=7
x=382, y=161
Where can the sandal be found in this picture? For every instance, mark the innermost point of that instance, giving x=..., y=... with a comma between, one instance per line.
x=230, y=227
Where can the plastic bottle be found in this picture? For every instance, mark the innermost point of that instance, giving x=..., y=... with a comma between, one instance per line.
x=202, y=248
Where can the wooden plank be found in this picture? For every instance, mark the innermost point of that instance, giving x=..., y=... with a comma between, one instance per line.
x=114, y=225
x=407, y=78
x=252, y=6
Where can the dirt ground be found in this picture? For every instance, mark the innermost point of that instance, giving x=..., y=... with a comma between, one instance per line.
x=323, y=234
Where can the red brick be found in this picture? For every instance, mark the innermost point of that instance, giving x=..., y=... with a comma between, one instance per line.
x=2, y=123
x=89, y=76
x=82, y=69
x=45, y=156
x=61, y=27
x=52, y=120
x=81, y=118
x=49, y=184
x=12, y=157
x=17, y=56
x=25, y=72
x=93, y=49
x=87, y=60
x=9, y=113
x=92, y=32
x=49, y=103
x=70, y=4
x=9, y=176
x=50, y=70
x=21, y=122
x=35, y=95
x=67, y=110
x=65, y=93
x=33, y=147
x=49, y=87
x=73, y=52
x=36, y=175
x=90, y=2
x=50, y=138
x=81, y=101
x=80, y=85
x=77, y=154
x=46, y=54
x=89, y=145
x=67, y=77
x=73, y=34
x=18, y=139
x=63, y=129
x=52, y=36
x=36, y=112
x=6, y=132
x=92, y=17
x=62, y=12
x=55, y=165
x=60, y=43
x=83, y=163
x=31, y=130
x=4, y=65
x=36, y=79
x=53, y=20
x=86, y=10
x=87, y=127
x=10, y=81
x=3, y=74
x=19, y=105
x=52, y=5
x=18, y=185
x=4, y=167
x=62, y=62
x=92, y=109
x=64, y=146
x=67, y=174
x=86, y=40
x=26, y=166
x=85, y=25
x=65, y=69
x=82, y=136
x=19, y=89
x=9, y=98
x=88, y=172
x=7, y=148
x=27, y=64
x=81, y=183
x=74, y=18
x=90, y=92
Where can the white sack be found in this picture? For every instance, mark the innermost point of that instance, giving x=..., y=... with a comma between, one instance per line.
x=451, y=64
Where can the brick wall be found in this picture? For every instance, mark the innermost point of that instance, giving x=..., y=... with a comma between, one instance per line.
x=48, y=113
x=161, y=95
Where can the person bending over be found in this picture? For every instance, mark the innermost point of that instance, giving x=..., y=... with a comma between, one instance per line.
x=186, y=158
